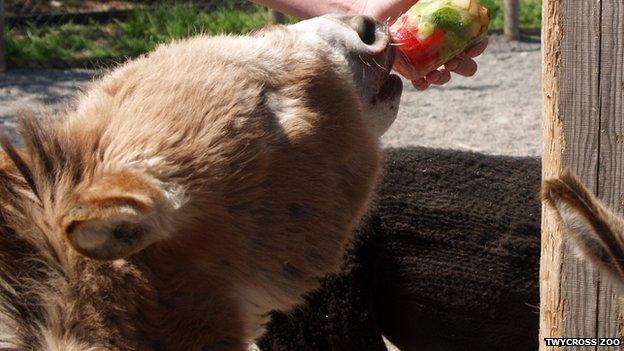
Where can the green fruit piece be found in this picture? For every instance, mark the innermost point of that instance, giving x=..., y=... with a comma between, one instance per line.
x=448, y=19
x=453, y=45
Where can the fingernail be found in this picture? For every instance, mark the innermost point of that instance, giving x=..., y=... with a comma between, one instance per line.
x=420, y=84
x=433, y=76
x=452, y=65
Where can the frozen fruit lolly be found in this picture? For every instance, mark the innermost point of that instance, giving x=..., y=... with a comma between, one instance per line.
x=433, y=32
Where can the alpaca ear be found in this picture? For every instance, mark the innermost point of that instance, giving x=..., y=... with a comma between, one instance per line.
x=117, y=216
x=594, y=230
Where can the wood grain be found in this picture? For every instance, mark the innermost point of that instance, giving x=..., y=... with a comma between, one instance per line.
x=611, y=171
x=551, y=302
x=579, y=75
x=574, y=302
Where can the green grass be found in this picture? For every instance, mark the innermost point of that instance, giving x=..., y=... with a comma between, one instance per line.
x=88, y=45
x=530, y=13
x=96, y=44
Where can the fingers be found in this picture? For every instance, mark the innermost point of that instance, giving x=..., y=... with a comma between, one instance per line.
x=478, y=48
x=439, y=77
x=420, y=84
x=462, y=65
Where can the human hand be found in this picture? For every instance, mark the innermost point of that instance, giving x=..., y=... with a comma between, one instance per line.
x=464, y=64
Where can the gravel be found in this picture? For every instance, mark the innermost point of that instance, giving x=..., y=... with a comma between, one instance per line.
x=495, y=112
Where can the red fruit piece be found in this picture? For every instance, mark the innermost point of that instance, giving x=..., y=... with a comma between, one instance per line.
x=433, y=39
x=419, y=53
x=406, y=39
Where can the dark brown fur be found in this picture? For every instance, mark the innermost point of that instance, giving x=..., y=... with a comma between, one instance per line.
x=594, y=229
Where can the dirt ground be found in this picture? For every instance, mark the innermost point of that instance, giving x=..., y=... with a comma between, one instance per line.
x=495, y=112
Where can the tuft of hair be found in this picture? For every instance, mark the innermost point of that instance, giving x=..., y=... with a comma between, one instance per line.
x=32, y=259
x=596, y=232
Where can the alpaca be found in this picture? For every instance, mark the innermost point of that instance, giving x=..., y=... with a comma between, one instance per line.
x=595, y=231
x=194, y=189
x=447, y=259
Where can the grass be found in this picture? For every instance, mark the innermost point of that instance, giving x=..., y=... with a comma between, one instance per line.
x=95, y=44
x=530, y=13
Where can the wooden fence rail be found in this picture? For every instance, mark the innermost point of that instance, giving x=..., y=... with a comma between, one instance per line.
x=583, y=129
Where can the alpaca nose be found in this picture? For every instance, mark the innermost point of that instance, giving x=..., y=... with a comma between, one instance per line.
x=360, y=35
x=365, y=27
x=373, y=35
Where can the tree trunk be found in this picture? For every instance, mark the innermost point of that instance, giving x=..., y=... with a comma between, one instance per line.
x=512, y=19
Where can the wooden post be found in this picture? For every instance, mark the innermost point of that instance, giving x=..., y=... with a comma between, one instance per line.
x=2, y=39
x=583, y=130
x=276, y=17
x=512, y=19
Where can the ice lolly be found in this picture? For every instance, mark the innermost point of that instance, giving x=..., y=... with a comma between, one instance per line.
x=433, y=32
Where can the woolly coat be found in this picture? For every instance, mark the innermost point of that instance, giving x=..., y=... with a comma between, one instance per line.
x=447, y=259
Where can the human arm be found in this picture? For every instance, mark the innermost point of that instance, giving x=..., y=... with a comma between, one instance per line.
x=385, y=10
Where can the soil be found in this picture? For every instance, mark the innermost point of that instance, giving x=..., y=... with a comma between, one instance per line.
x=495, y=112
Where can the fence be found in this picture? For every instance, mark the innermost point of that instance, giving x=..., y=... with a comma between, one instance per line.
x=583, y=99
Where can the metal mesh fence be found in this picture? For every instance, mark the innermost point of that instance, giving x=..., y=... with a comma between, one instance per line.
x=89, y=33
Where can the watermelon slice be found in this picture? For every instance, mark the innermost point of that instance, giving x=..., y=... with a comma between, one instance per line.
x=433, y=32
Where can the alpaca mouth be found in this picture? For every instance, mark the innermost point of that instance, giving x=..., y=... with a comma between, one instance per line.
x=390, y=85
x=391, y=88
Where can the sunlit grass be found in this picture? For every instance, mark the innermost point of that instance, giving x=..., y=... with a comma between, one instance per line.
x=94, y=44
x=71, y=44
x=530, y=13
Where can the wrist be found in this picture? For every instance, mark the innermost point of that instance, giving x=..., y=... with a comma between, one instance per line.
x=372, y=8
x=385, y=10
x=358, y=7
